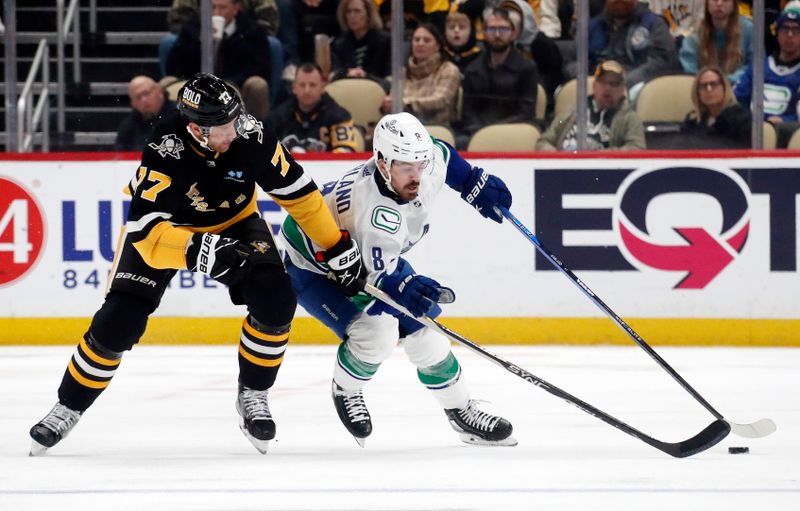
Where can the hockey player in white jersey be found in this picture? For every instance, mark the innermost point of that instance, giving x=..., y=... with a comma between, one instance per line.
x=385, y=204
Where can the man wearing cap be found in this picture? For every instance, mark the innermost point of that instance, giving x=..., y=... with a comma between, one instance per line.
x=193, y=207
x=612, y=124
x=781, y=75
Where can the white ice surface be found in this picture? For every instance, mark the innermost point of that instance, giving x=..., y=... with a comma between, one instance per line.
x=164, y=436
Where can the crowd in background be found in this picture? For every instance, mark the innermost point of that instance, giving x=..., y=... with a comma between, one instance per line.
x=474, y=63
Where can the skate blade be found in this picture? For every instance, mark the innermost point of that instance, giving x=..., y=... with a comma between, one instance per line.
x=260, y=445
x=37, y=449
x=476, y=440
x=362, y=442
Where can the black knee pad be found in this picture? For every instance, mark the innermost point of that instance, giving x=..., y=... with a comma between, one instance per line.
x=120, y=322
x=269, y=296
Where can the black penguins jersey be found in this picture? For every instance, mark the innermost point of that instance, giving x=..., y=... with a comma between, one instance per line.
x=180, y=189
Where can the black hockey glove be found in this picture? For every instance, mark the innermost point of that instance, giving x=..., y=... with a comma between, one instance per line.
x=223, y=259
x=344, y=261
x=485, y=192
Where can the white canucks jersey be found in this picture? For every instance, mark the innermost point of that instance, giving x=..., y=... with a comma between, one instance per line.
x=383, y=226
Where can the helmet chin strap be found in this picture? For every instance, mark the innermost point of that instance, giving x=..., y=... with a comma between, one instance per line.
x=387, y=176
x=206, y=132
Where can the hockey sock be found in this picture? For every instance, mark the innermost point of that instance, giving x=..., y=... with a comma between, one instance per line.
x=350, y=372
x=444, y=380
x=88, y=373
x=261, y=350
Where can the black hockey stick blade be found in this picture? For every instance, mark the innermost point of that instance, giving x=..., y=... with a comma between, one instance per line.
x=707, y=438
x=758, y=429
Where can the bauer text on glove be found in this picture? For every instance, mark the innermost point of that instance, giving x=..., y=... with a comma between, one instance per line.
x=344, y=262
x=486, y=192
x=223, y=259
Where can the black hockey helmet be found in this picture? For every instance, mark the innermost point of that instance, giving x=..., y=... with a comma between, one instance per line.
x=208, y=101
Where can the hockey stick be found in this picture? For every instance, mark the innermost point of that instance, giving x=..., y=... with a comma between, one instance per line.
x=758, y=429
x=707, y=438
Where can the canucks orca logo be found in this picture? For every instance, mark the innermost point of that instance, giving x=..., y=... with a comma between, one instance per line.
x=170, y=145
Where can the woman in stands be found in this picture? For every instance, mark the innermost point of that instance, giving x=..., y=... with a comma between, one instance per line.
x=431, y=81
x=363, y=50
x=724, y=39
x=717, y=120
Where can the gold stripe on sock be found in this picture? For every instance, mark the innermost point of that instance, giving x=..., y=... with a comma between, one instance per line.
x=259, y=361
x=84, y=381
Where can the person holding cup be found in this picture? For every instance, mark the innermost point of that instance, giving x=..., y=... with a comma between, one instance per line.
x=238, y=59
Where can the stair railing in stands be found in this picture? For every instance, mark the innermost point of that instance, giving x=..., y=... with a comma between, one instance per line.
x=30, y=114
x=68, y=24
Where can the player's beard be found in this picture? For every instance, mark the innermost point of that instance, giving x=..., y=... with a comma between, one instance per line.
x=408, y=194
x=498, y=47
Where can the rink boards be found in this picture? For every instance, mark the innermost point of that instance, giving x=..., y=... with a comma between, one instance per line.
x=695, y=251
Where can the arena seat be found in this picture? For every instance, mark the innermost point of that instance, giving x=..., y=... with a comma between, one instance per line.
x=794, y=141
x=442, y=132
x=565, y=95
x=771, y=137
x=541, y=102
x=665, y=99
x=512, y=137
x=359, y=96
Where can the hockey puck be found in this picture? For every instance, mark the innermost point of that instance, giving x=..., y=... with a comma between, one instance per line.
x=738, y=450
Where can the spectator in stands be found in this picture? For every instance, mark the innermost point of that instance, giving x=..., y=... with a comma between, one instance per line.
x=362, y=50
x=242, y=57
x=612, y=124
x=461, y=46
x=724, y=39
x=500, y=85
x=149, y=105
x=265, y=13
x=630, y=33
x=781, y=75
x=546, y=12
x=311, y=121
x=566, y=15
x=534, y=44
x=313, y=17
x=683, y=16
x=717, y=120
x=417, y=11
x=431, y=81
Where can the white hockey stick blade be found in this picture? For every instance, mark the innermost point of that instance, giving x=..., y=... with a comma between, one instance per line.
x=757, y=429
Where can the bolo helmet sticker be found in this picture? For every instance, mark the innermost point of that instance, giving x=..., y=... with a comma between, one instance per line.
x=683, y=219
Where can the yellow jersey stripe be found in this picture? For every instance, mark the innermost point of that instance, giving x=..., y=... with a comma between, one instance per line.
x=86, y=382
x=314, y=217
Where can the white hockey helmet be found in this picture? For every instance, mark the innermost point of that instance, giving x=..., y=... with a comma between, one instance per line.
x=401, y=137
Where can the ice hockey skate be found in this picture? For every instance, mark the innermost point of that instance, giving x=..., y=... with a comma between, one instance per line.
x=480, y=428
x=352, y=412
x=255, y=419
x=55, y=427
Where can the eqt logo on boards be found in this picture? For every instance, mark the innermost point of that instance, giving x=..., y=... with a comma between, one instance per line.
x=688, y=219
x=685, y=219
x=22, y=231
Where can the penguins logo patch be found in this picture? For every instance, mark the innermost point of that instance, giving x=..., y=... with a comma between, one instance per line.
x=248, y=125
x=170, y=145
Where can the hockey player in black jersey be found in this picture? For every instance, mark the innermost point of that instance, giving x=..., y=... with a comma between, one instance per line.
x=193, y=206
